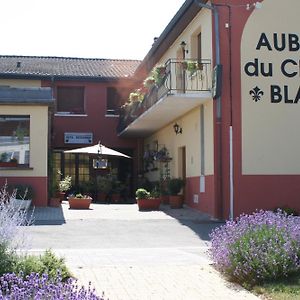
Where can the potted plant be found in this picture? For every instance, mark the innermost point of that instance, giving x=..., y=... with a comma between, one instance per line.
x=104, y=187
x=159, y=74
x=149, y=82
x=147, y=200
x=116, y=190
x=23, y=197
x=174, y=186
x=6, y=161
x=63, y=186
x=80, y=201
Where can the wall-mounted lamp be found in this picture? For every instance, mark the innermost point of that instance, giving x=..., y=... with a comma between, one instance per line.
x=177, y=129
x=256, y=5
x=184, y=51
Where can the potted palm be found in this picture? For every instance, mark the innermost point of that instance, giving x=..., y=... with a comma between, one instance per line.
x=147, y=200
x=80, y=201
x=23, y=196
x=174, y=186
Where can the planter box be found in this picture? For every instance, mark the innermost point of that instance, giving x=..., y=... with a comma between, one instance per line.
x=21, y=203
x=79, y=203
x=8, y=164
x=148, y=204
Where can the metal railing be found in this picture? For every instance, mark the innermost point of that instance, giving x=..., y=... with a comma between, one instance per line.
x=178, y=77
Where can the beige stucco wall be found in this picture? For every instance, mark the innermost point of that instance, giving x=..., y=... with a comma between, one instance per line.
x=201, y=23
x=190, y=139
x=20, y=83
x=38, y=139
x=270, y=131
x=190, y=123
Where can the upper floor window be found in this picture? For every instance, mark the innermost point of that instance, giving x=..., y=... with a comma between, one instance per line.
x=14, y=140
x=113, y=101
x=70, y=100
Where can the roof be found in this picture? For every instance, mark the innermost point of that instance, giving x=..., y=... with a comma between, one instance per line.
x=68, y=68
x=176, y=26
x=40, y=96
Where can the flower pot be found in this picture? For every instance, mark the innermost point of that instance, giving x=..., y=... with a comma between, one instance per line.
x=79, y=203
x=20, y=203
x=55, y=202
x=115, y=198
x=101, y=196
x=176, y=201
x=164, y=199
x=61, y=196
x=148, y=204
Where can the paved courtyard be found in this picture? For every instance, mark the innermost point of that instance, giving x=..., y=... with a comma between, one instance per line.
x=132, y=255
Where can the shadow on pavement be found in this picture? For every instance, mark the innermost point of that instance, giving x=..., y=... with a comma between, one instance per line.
x=201, y=223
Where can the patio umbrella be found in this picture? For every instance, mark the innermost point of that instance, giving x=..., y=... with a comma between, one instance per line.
x=98, y=149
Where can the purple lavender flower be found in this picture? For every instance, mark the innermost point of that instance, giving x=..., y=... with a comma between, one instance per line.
x=34, y=286
x=257, y=247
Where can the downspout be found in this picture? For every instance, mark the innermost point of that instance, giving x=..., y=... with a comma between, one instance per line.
x=215, y=12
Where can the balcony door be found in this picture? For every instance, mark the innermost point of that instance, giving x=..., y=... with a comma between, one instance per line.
x=180, y=72
x=182, y=166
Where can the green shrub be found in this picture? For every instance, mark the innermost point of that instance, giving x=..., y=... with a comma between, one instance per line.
x=7, y=259
x=142, y=194
x=46, y=263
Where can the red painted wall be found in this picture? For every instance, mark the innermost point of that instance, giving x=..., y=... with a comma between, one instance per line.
x=102, y=127
x=205, y=203
x=39, y=185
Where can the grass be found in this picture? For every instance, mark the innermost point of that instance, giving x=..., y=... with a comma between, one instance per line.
x=283, y=289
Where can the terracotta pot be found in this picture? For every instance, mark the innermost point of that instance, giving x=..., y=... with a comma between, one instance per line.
x=115, y=198
x=61, y=196
x=149, y=204
x=101, y=196
x=176, y=201
x=80, y=203
x=55, y=202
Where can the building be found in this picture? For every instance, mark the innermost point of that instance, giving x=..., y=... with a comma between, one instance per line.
x=24, y=137
x=226, y=107
x=218, y=107
x=88, y=94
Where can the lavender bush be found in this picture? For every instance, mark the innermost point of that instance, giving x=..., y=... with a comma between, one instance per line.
x=257, y=247
x=10, y=220
x=11, y=234
x=38, y=287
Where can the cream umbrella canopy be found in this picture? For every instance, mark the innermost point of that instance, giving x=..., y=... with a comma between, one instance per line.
x=98, y=149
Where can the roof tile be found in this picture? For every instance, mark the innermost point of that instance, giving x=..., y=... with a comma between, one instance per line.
x=39, y=66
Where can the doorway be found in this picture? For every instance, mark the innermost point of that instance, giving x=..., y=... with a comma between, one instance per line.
x=182, y=166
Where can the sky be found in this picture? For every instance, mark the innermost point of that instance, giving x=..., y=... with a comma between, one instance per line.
x=122, y=29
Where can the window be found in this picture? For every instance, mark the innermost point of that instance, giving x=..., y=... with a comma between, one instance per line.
x=14, y=139
x=70, y=100
x=113, y=101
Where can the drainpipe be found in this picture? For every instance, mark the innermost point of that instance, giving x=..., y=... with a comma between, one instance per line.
x=215, y=12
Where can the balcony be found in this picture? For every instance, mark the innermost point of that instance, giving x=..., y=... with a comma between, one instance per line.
x=183, y=85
